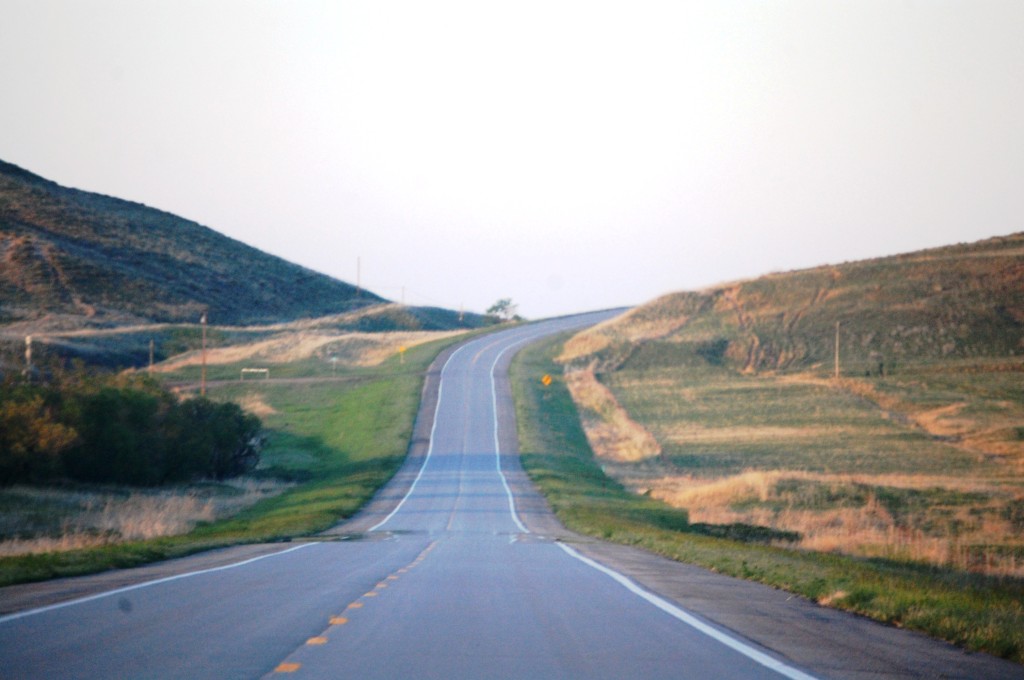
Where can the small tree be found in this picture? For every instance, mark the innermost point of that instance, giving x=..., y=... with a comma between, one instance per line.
x=31, y=440
x=504, y=310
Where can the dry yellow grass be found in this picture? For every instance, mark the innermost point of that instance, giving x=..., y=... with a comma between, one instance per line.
x=990, y=433
x=586, y=343
x=99, y=519
x=629, y=327
x=254, y=404
x=694, y=434
x=612, y=434
x=980, y=532
x=869, y=530
x=354, y=349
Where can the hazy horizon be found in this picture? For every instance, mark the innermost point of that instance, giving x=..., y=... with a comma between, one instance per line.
x=571, y=156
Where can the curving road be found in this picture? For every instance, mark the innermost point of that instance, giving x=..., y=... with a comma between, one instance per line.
x=452, y=572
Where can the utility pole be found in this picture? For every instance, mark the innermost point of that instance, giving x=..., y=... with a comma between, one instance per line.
x=837, y=350
x=202, y=379
x=28, y=356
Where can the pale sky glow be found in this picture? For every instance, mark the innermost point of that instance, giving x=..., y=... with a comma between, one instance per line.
x=570, y=155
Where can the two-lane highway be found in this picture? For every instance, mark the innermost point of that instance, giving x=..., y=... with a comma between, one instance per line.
x=449, y=583
x=486, y=598
x=449, y=578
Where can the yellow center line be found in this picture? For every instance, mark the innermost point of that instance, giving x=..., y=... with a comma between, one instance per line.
x=355, y=605
x=288, y=667
x=319, y=640
x=338, y=620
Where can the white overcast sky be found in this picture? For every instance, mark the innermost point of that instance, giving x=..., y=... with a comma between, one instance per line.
x=569, y=155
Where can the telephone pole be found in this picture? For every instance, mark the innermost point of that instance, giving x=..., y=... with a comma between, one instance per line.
x=28, y=356
x=202, y=379
x=837, y=350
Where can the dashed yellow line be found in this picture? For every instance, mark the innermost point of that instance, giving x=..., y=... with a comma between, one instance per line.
x=292, y=667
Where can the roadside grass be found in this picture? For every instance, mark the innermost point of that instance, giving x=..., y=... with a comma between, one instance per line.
x=337, y=441
x=45, y=519
x=978, y=612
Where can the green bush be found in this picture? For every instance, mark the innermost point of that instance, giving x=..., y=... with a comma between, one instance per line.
x=31, y=439
x=213, y=440
x=121, y=430
x=119, y=438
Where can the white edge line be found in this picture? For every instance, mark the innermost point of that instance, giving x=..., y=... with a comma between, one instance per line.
x=497, y=446
x=109, y=593
x=137, y=586
x=430, y=446
x=687, y=618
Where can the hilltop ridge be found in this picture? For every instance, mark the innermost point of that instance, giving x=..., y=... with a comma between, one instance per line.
x=959, y=301
x=72, y=258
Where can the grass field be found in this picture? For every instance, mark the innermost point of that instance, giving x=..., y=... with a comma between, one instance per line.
x=333, y=442
x=970, y=609
x=922, y=465
x=910, y=448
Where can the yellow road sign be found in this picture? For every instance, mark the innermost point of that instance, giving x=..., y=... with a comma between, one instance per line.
x=546, y=380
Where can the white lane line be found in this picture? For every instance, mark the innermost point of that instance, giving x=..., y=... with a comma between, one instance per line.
x=687, y=618
x=497, y=445
x=147, y=584
x=530, y=336
x=430, y=446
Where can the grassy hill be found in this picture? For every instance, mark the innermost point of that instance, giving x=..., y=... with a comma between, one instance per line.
x=956, y=302
x=72, y=258
x=724, y=402
x=99, y=278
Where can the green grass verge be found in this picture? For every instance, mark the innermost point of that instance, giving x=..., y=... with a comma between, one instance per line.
x=979, y=613
x=341, y=440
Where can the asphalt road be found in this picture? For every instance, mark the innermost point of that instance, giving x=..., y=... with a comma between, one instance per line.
x=456, y=570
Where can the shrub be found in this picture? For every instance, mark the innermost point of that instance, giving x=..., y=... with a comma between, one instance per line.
x=120, y=438
x=213, y=440
x=123, y=431
x=31, y=440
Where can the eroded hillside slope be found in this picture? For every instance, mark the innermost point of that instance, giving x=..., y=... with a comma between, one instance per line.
x=915, y=451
